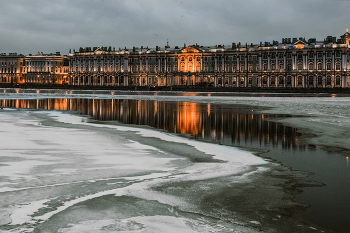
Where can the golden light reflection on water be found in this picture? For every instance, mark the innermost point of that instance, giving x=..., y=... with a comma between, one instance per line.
x=188, y=118
x=204, y=121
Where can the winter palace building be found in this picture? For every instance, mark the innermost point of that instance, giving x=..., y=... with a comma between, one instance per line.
x=293, y=62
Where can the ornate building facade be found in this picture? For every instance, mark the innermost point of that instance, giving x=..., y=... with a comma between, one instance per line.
x=295, y=63
x=291, y=63
x=11, y=70
x=46, y=69
x=38, y=69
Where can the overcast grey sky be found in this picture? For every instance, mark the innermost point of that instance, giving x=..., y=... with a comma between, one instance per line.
x=29, y=26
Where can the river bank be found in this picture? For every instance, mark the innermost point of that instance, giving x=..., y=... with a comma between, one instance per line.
x=195, y=89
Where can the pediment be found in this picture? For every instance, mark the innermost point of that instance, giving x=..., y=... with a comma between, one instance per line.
x=99, y=51
x=300, y=42
x=190, y=49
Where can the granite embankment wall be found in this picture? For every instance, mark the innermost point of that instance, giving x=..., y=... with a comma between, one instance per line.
x=182, y=88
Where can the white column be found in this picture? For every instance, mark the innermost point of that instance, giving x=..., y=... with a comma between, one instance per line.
x=238, y=67
x=260, y=63
x=276, y=63
x=293, y=62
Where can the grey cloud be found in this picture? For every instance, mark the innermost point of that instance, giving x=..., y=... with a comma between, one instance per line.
x=48, y=26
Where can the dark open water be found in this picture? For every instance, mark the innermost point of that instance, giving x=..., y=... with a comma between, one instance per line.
x=236, y=126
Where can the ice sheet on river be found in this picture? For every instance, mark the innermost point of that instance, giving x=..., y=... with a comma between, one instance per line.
x=55, y=166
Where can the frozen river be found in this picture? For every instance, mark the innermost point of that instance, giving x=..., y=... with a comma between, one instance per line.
x=112, y=162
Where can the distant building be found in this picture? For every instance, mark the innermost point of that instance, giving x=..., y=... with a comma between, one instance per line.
x=292, y=63
x=295, y=62
x=46, y=69
x=11, y=70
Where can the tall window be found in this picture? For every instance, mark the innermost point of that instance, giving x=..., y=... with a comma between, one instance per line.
x=311, y=66
x=319, y=80
x=264, y=80
x=280, y=80
x=319, y=66
x=273, y=79
x=281, y=67
x=300, y=81
x=337, y=66
x=300, y=66
x=337, y=80
x=311, y=81
x=264, y=67
x=289, y=80
x=273, y=66
x=329, y=67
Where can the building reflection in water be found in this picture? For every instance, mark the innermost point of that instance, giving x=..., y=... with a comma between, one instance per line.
x=229, y=125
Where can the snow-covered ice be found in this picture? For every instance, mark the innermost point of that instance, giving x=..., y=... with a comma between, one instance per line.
x=50, y=159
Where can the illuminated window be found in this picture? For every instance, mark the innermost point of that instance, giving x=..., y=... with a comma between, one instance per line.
x=264, y=67
x=273, y=66
x=242, y=80
x=337, y=66
x=281, y=67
